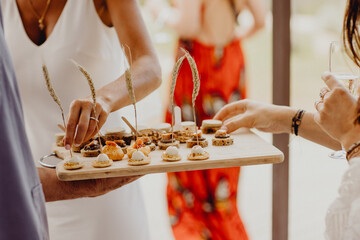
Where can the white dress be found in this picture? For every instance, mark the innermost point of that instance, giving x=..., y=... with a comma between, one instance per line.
x=79, y=34
x=343, y=216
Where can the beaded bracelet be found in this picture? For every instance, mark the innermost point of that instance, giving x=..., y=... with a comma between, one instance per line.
x=296, y=121
x=353, y=149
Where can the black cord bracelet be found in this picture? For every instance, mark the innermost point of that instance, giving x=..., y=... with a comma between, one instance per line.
x=296, y=121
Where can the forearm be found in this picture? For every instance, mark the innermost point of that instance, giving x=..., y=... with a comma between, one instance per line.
x=146, y=76
x=55, y=190
x=310, y=130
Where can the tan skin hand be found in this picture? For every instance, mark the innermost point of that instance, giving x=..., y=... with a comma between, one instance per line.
x=273, y=119
x=337, y=113
x=252, y=114
x=78, y=189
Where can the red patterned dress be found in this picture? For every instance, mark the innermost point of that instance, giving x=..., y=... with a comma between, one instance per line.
x=202, y=204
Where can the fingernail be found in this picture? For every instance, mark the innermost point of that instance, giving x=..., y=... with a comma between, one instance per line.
x=67, y=147
x=77, y=145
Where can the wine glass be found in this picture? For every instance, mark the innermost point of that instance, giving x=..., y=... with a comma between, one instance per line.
x=344, y=70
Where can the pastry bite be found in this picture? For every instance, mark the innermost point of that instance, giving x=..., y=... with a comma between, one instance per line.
x=59, y=137
x=198, y=153
x=72, y=163
x=122, y=144
x=171, y=154
x=167, y=140
x=93, y=149
x=138, y=158
x=114, y=134
x=113, y=151
x=140, y=146
x=186, y=132
x=222, y=138
x=210, y=126
x=147, y=142
x=77, y=149
x=153, y=134
x=197, y=139
x=102, y=161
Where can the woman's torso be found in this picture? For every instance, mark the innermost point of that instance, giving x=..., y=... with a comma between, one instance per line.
x=78, y=34
x=218, y=21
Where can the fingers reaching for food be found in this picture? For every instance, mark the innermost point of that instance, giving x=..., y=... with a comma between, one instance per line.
x=82, y=123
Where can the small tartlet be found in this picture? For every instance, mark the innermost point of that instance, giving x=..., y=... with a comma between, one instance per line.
x=198, y=153
x=138, y=158
x=73, y=163
x=222, y=138
x=171, y=154
x=113, y=151
x=102, y=161
x=138, y=146
x=197, y=139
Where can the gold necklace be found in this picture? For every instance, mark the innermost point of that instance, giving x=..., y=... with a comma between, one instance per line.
x=42, y=16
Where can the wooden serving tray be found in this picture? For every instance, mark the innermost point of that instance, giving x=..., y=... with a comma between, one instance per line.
x=248, y=149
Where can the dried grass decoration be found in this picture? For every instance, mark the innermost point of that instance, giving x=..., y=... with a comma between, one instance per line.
x=174, y=77
x=53, y=94
x=130, y=88
x=196, y=88
x=93, y=94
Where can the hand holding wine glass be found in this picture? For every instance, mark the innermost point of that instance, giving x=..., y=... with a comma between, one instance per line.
x=338, y=112
x=345, y=72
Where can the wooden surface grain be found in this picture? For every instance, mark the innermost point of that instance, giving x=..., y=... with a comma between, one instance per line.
x=248, y=149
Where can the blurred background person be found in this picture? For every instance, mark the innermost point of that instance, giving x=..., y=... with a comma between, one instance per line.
x=202, y=204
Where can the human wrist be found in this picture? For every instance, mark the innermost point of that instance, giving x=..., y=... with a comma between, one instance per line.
x=349, y=139
x=285, y=118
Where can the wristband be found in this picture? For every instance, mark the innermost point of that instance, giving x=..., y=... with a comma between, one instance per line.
x=296, y=121
x=353, y=149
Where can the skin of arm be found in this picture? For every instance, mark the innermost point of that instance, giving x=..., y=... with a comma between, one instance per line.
x=273, y=119
x=258, y=11
x=145, y=68
x=55, y=190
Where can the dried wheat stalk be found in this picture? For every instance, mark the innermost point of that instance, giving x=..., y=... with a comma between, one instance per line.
x=93, y=94
x=196, y=80
x=90, y=82
x=53, y=94
x=130, y=89
x=129, y=85
x=174, y=77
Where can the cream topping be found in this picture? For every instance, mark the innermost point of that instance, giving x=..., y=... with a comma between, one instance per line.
x=103, y=157
x=137, y=155
x=73, y=159
x=197, y=150
x=172, y=151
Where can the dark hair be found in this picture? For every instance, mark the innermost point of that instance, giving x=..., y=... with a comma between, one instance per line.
x=351, y=34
